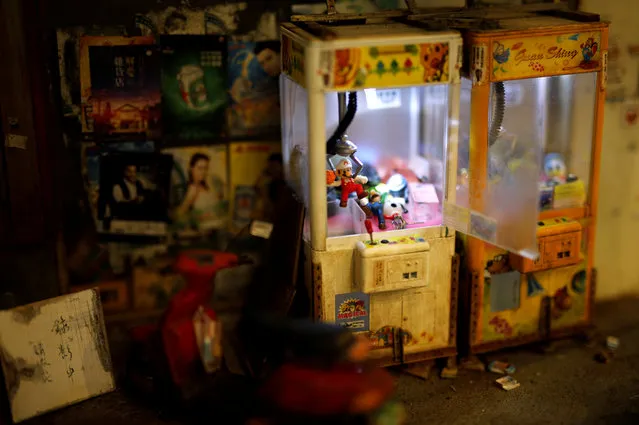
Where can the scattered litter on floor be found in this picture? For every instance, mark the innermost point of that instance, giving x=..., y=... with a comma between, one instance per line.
x=449, y=373
x=612, y=342
x=508, y=383
x=604, y=356
x=473, y=364
x=502, y=368
x=452, y=387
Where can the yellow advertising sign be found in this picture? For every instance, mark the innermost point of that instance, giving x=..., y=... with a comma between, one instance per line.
x=253, y=167
x=293, y=59
x=547, y=55
x=391, y=66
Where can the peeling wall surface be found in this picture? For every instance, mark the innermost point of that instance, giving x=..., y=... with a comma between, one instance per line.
x=618, y=214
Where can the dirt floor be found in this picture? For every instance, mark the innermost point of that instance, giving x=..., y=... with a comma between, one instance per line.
x=565, y=386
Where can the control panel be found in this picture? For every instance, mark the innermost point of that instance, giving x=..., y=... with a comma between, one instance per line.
x=559, y=241
x=392, y=264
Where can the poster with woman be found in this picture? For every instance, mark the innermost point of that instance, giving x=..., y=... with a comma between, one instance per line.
x=198, y=200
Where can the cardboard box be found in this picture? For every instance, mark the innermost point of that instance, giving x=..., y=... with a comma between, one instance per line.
x=153, y=289
x=114, y=295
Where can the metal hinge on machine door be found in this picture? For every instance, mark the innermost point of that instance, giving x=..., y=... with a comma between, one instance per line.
x=4, y=190
x=398, y=345
x=11, y=138
x=545, y=318
x=316, y=272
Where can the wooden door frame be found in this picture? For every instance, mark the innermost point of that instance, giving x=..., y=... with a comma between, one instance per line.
x=29, y=108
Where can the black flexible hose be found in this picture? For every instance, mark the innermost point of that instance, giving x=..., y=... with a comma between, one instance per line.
x=499, y=108
x=351, y=109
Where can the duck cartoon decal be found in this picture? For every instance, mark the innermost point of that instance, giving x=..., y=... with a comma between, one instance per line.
x=501, y=54
x=589, y=49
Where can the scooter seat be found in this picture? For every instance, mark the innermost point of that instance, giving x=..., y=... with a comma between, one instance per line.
x=302, y=339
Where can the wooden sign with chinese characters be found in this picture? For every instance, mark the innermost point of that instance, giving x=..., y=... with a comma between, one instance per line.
x=54, y=353
x=515, y=58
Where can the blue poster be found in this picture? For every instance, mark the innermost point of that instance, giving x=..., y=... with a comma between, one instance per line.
x=253, y=72
x=352, y=311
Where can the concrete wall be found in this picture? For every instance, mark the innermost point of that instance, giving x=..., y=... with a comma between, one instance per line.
x=618, y=216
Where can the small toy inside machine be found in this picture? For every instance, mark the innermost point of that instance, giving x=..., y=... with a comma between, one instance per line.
x=370, y=110
x=528, y=170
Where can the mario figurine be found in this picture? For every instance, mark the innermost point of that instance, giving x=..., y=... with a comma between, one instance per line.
x=343, y=177
x=377, y=209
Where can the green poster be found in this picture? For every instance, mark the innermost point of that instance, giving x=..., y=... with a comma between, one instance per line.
x=194, y=88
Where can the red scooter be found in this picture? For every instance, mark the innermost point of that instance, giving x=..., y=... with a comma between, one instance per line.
x=319, y=375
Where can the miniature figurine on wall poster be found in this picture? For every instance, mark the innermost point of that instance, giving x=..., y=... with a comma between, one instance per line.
x=194, y=85
x=119, y=59
x=134, y=193
x=198, y=200
x=254, y=70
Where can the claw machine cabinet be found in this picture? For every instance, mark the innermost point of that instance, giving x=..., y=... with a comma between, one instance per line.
x=528, y=172
x=369, y=121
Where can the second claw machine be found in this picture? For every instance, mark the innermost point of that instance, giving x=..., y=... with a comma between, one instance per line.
x=528, y=172
x=369, y=118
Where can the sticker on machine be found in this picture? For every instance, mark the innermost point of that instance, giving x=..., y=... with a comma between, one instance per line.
x=478, y=68
x=352, y=311
x=630, y=113
x=483, y=227
x=458, y=64
x=604, y=71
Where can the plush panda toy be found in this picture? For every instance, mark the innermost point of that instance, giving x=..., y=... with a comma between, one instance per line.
x=394, y=210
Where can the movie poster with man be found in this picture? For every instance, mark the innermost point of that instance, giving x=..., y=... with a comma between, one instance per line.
x=91, y=155
x=199, y=189
x=253, y=70
x=134, y=193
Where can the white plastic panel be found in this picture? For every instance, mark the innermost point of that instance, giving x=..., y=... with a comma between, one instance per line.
x=544, y=119
x=294, y=101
